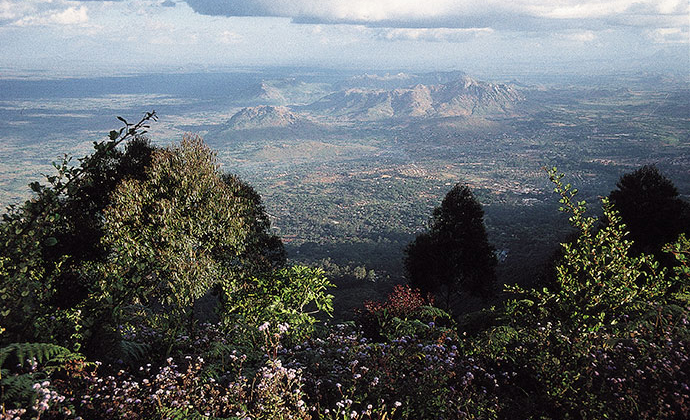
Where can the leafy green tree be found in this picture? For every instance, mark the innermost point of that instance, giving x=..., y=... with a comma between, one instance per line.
x=45, y=242
x=455, y=255
x=651, y=209
x=79, y=228
x=182, y=231
x=264, y=251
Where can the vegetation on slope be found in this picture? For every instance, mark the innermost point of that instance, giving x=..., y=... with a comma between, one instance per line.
x=175, y=237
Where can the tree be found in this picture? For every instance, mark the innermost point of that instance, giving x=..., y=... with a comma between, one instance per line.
x=45, y=242
x=455, y=255
x=264, y=250
x=182, y=231
x=598, y=277
x=650, y=208
x=78, y=228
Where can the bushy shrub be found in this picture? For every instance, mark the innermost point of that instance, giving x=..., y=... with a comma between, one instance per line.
x=585, y=350
x=405, y=312
x=293, y=295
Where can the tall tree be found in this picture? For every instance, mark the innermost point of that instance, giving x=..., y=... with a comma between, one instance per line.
x=454, y=256
x=264, y=250
x=652, y=211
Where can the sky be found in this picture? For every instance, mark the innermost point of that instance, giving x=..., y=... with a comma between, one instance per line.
x=91, y=37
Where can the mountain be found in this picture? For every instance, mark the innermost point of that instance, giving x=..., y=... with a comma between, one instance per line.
x=289, y=91
x=264, y=116
x=461, y=97
x=398, y=80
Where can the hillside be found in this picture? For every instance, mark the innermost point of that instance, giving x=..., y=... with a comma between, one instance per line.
x=194, y=311
x=461, y=97
x=264, y=116
x=288, y=91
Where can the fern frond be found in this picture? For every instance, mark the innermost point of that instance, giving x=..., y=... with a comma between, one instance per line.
x=17, y=388
x=40, y=352
x=133, y=351
x=433, y=312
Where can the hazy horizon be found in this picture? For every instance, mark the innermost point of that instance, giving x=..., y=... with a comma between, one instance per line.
x=487, y=38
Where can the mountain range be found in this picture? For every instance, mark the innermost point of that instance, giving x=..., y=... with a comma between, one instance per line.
x=457, y=96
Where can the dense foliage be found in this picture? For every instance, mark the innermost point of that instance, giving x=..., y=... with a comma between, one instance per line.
x=181, y=232
x=651, y=209
x=608, y=340
x=48, y=241
x=455, y=255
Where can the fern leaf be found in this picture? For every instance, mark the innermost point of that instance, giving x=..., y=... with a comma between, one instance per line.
x=40, y=352
x=133, y=351
x=17, y=388
x=433, y=312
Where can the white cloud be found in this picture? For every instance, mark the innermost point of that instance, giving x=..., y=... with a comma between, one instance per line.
x=229, y=38
x=435, y=34
x=673, y=7
x=12, y=10
x=670, y=35
x=71, y=16
x=516, y=14
x=42, y=12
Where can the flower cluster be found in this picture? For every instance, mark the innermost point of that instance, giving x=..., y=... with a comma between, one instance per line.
x=345, y=370
x=46, y=402
x=540, y=370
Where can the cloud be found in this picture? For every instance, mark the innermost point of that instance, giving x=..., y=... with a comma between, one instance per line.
x=71, y=16
x=40, y=12
x=517, y=14
x=434, y=34
x=168, y=3
x=229, y=38
x=670, y=35
x=580, y=36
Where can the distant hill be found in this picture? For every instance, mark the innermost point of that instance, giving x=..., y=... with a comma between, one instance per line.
x=265, y=116
x=398, y=80
x=288, y=91
x=461, y=97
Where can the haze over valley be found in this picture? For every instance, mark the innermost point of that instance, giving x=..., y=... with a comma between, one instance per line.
x=350, y=164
